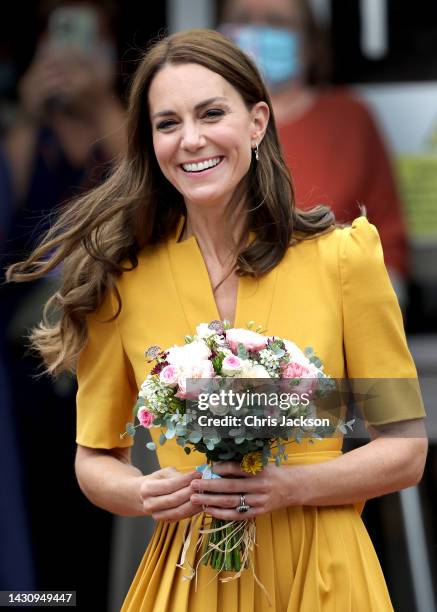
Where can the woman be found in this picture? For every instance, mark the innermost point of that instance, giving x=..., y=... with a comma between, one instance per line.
x=330, y=140
x=162, y=246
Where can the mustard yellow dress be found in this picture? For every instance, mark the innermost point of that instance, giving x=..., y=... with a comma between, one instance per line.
x=332, y=293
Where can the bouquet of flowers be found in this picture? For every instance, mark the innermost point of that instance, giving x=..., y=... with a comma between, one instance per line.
x=215, y=358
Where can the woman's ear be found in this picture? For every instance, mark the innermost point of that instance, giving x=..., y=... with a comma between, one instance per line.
x=260, y=114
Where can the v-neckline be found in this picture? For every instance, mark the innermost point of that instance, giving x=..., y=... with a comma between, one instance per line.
x=195, y=291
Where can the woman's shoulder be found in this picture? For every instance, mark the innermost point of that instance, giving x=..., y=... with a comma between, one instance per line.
x=351, y=246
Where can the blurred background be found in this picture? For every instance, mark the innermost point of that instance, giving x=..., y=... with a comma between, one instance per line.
x=354, y=89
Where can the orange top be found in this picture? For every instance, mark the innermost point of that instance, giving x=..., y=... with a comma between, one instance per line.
x=337, y=157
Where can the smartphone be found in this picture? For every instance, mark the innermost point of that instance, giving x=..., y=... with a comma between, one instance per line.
x=73, y=27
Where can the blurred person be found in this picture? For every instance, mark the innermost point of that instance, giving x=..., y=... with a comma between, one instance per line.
x=16, y=563
x=69, y=115
x=68, y=131
x=329, y=138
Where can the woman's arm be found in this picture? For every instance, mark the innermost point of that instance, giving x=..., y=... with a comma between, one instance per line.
x=109, y=480
x=393, y=460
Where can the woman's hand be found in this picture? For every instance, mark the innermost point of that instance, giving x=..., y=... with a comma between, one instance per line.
x=165, y=494
x=270, y=489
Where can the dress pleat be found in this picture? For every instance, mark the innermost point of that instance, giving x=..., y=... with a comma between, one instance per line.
x=309, y=559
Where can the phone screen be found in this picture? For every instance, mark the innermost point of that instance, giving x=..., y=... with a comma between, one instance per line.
x=73, y=27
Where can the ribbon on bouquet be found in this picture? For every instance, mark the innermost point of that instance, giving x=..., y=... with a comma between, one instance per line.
x=243, y=533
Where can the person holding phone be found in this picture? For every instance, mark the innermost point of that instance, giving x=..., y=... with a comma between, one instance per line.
x=68, y=111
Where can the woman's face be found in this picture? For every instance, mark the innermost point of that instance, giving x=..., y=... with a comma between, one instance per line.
x=203, y=134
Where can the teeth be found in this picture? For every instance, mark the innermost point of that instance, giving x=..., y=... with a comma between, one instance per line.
x=209, y=163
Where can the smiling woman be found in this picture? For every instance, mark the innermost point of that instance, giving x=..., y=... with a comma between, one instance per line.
x=204, y=144
x=198, y=223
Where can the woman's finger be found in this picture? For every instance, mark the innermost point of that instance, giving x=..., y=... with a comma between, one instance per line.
x=228, y=468
x=227, y=485
x=232, y=515
x=226, y=501
x=163, y=486
x=177, y=514
x=165, y=502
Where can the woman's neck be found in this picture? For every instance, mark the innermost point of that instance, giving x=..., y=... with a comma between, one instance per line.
x=215, y=233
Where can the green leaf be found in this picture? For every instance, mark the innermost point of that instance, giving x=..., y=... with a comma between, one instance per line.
x=151, y=446
x=227, y=455
x=195, y=436
x=130, y=429
x=241, y=351
x=181, y=429
x=140, y=403
x=162, y=439
x=169, y=434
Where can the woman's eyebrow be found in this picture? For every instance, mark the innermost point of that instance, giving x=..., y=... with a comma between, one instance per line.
x=200, y=105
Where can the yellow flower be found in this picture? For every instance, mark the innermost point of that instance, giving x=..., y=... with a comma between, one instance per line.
x=252, y=463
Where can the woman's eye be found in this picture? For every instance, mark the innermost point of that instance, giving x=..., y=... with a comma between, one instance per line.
x=164, y=125
x=214, y=113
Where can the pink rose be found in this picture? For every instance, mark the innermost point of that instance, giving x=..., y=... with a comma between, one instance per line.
x=308, y=374
x=169, y=376
x=231, y=365
x=145, y=417
x=252, y=341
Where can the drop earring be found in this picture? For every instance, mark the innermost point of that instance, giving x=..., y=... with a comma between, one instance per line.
x=256, y=151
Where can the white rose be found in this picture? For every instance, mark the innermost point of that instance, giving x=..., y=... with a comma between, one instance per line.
x=188, y=355
x=296, y=354
x=254, y=371
x=203, y=331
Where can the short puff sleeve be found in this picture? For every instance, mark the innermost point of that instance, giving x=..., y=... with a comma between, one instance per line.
x=106, y=388
x=374, y=339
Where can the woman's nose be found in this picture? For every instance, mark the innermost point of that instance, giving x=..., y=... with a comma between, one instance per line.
x=192, y=138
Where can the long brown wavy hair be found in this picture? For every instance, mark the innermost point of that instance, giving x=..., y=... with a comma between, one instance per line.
x=98, y=236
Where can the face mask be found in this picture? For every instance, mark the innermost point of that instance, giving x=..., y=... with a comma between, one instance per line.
x=276, y=51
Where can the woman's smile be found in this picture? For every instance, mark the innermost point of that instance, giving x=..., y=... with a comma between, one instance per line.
x=202, y=167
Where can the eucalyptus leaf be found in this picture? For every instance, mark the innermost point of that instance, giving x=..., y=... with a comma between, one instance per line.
x=180, y=429
x=241, y=351
x=151, y=446
x=130, y=429
x=195, y=436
